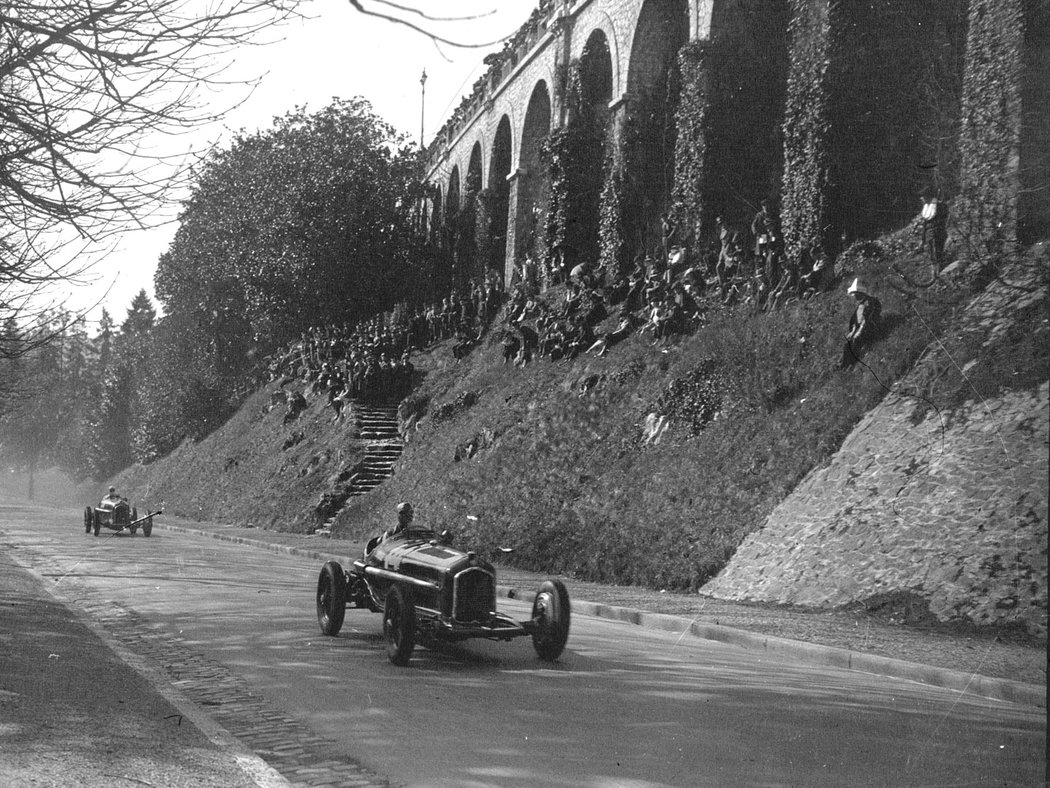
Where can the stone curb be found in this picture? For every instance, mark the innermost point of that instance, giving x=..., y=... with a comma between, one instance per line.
x=809, y=653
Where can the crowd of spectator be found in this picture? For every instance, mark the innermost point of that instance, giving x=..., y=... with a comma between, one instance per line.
x=371, y=360
x=668, y=292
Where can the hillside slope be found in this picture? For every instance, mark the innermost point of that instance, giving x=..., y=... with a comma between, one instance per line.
x=554, y=459
x=947, y=506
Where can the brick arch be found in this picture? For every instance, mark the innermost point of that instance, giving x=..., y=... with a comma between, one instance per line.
x=604, y=23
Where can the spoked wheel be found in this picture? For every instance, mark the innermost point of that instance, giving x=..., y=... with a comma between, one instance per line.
x=88, y=516
x=331, y=598
x=96, y=523
x=147, y=527
x=399, y=625
x=550, y=612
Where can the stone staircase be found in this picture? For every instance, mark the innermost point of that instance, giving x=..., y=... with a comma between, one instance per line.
x=376, y=424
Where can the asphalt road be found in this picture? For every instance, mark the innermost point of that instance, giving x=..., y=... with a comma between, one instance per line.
x=623, y=707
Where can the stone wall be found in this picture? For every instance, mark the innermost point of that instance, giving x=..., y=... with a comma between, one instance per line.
x=952, y=509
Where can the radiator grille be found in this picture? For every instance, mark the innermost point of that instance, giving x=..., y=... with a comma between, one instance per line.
x=474, y=597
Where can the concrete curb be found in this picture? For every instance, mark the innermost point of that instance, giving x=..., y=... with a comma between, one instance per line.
x=809, y=653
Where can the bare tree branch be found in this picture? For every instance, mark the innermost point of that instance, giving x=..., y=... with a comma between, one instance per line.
x=83, y=85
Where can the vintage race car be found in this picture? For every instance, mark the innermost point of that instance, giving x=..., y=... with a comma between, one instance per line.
x=116, y=515
x=429, y=591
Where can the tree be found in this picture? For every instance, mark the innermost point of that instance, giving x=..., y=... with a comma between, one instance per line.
x=82, y=84
x=307, y=223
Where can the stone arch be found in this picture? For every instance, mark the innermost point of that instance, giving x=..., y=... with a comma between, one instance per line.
x=475, y=169
x=652, y=89
x=603, y=25
x=436, y=217
x=452, y=191
x=533, y=177
x=498, y=207
x=583, y=157
x=748, y=51
x=597, y=72
x=450, y=227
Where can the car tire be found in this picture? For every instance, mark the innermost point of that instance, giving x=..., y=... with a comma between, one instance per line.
x=133, y=529
x=551, y=613
x=88, y=516
x=147, y=527
x=399, y=625
x=331, y=598
x=96, y=522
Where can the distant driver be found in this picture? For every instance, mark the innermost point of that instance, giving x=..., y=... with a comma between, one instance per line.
x=112, y=495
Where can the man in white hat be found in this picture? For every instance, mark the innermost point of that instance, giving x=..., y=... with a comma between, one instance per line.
x=863, y=323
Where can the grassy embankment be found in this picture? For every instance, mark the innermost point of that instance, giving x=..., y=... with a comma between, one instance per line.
x=563, y=475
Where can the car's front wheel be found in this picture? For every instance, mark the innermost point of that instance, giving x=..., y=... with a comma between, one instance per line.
x=147, y=526
x=96, y=522
x=88, y=516
x=399, y=625
x=550, y=614
x=331, y=598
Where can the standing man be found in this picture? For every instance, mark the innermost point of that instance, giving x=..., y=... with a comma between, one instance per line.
x=934, y=226
x=766, y=232
x=863, y=323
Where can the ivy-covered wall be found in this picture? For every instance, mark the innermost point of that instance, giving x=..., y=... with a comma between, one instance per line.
x=871, y=116
x=1005, y=113
x=806, y=126
x=572, y=221
x=690, y=157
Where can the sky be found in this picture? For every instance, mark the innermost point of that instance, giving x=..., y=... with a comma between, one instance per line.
x=337, y=53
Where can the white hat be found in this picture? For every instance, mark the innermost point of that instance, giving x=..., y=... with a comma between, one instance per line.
x=404, y=507
x=857, y=287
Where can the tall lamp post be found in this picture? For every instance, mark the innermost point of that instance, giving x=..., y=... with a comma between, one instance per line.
x=422, y=104
x=422, y=107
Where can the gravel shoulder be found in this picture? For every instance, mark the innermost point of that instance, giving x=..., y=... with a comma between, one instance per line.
x=72, y=712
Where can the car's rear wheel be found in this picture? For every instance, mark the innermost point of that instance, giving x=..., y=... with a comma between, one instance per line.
x=88, y=516
x=147, y=527
x=331, y=598
x=550, y=613
x=399, y=625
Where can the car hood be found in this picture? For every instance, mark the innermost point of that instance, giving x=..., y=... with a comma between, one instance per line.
x=422, y=550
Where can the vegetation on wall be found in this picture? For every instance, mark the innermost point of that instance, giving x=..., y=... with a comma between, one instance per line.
x=575, y=183
x=871, y=110
x=613, y=254
x=986, y=214
x=691, y=143
x=806, y=128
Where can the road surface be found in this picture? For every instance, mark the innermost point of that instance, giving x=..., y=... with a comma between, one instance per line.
x=236, y=627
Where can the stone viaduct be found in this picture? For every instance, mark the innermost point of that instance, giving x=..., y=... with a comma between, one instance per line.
x=838, y=111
